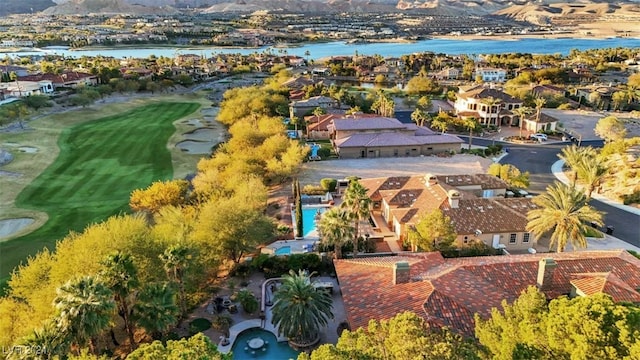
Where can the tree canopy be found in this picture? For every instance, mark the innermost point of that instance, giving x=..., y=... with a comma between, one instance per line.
x=403, y=337
x=591, y=327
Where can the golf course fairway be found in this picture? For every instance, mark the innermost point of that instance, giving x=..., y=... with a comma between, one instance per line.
x=100, y=163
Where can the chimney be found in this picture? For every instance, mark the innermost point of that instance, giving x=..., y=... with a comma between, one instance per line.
x=454, y=198
x=401, y=272
x=430, y=180
x=546, y=267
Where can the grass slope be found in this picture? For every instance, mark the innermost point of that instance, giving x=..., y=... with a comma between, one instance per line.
x=99, y=164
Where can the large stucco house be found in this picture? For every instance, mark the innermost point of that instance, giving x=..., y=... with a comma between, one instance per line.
x=476, y=205
x=474, y=103
x=372, y=137
x=448, y=292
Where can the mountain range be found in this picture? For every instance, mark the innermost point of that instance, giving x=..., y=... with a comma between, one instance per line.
x=540, y=11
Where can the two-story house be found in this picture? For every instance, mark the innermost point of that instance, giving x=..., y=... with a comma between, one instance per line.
x=476, y=205
x=367, y=137
x=490, y=74
x=487, y=105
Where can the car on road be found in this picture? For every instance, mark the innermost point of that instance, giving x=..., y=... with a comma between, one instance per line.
x=539, y=137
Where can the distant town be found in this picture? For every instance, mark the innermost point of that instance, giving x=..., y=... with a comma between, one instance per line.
x=255, y=30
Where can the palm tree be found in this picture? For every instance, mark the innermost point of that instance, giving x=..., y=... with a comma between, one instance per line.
x=592, y=170
x=84, y=306
x=574, y=156
x=299, y=310
x=156, y=310
x=121, y=276
x=49, y=339
x=491, y=102
x=565, y=213
x=540, y=102
x=175, y=260
x=335, y=229
x=358, y=204
x=522, y=112
x=472, y=125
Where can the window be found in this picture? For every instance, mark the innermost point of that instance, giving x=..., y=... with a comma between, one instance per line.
x=512, y=238
x=466, y=239
x=526, y=237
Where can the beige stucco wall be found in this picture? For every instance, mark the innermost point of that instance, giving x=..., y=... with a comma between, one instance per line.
x=398, y=151
x=504, y=239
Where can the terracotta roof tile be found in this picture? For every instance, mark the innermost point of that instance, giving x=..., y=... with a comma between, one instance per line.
x=449, y=291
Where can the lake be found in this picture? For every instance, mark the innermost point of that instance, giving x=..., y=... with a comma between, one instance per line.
x=322, y=50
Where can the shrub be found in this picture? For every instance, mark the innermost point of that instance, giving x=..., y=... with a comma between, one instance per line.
x=474, y=248
x=309, y=262
x=633, y=198
x=329, y=184
x=313, y=190
x=248, y=301
x=199, y=325
x=222, y=323
x=324, y=152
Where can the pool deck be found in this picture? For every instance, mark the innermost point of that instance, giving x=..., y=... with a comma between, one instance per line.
x=297, y=246
x=327, y=335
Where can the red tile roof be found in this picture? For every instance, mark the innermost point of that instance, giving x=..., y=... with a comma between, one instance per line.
x=447, y=292
x=65, y=78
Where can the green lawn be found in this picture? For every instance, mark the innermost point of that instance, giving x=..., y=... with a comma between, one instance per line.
x=99, y=164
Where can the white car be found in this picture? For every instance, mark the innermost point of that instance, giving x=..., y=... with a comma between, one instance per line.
x=539, y=137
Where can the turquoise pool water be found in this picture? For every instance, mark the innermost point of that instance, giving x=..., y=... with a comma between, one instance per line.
x=285, y=250
x=274, y=350
x=309, y=219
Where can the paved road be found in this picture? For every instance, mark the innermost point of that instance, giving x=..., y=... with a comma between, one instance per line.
x=537, y=160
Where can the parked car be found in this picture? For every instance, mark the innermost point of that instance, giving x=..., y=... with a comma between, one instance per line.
x=539, y=137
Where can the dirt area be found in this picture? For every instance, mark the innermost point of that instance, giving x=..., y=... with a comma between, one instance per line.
x=583, y=122
x=313, y=172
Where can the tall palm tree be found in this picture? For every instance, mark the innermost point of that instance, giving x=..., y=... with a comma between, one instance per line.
x=491, y=102
x=472, y=125
x=120, y=274
x=565, y=213
x=156, y=310
x=335, y=229
x=574, y=156
x=540, y=102
x=358, y=204
x=175, y=260
x=522, y=112
x=84, y=306
x=592, y=171
x=299, y=310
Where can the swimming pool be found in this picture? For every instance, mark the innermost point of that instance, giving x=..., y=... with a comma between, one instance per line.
x=284, y=250
x=272, y=348
x=309, y=219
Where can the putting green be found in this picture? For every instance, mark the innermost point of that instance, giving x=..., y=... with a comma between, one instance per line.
x=99, y=164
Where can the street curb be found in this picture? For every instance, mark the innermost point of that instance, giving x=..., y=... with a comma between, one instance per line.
x=556, y=169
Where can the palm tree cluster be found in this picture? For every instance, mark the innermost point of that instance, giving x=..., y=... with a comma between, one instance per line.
x=86, y=306
x=564, y=210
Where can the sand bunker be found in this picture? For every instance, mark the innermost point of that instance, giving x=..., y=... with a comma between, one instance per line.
x=28, y=149
x=204, y=134
x=196, y=147
x=11, y=226
x=193, y=122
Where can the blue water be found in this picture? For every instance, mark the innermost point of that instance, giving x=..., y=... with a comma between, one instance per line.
x=285, y=250
x=321, y=50
x=274, y=350
x=309, y=219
